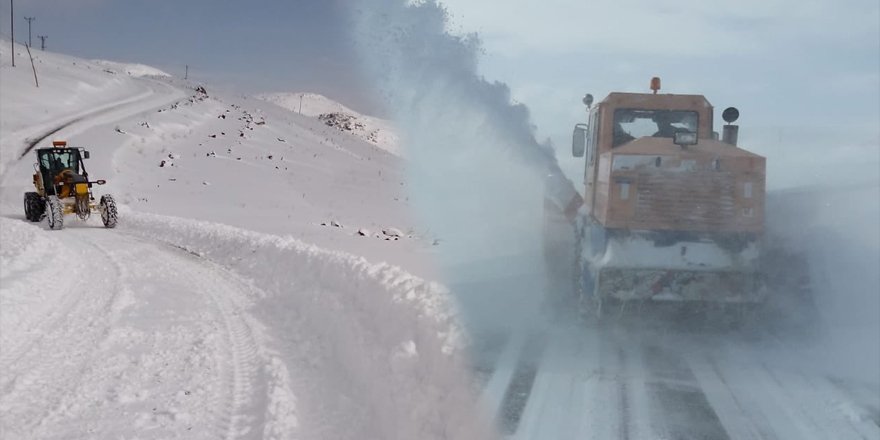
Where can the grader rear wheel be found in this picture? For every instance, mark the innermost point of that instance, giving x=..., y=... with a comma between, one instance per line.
x=34, y=207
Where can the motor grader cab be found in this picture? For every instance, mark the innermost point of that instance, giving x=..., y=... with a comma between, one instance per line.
x=671, y=213
x=63, y=187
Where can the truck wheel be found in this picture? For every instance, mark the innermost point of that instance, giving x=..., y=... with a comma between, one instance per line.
x=108, y=211
x=34, y=207
x=54, y=213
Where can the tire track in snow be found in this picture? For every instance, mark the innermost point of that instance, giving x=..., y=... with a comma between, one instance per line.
x=680, y=407
x=866, y=396
x=523, y=386
x=152, y=341
x=623, y=398
x=34, y=273
x=756, y=400
x=36, y=381
x=240, y=406
x=247, y=406
x=737, y=416
x=32, y=143
x=812, y=406
x=633, y=385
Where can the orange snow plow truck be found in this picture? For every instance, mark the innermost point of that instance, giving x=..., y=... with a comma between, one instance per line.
x=670, y=211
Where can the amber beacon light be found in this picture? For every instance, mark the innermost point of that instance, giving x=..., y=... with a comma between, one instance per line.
x=655, y=84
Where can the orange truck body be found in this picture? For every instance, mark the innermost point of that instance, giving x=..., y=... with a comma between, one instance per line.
x=652, y=184
x=670, y=213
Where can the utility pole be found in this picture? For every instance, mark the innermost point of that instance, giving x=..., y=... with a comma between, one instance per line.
x=30, y=39
x=186, y=73
x=12, y=28
x=42, y=41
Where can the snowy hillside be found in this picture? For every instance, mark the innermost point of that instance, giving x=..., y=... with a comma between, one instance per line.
x=133, y=69
x=374, y=130
x=309, y=104
x=259, y=284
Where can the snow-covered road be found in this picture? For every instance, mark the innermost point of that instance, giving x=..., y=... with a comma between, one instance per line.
x=620, y=383
x=129, y=334
x=153, y=94
x=173, y=328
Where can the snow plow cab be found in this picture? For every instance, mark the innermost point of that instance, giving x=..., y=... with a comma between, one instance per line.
x=63, y=187
x=671, y=213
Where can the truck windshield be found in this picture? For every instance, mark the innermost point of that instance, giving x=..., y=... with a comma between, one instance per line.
x=630, y=124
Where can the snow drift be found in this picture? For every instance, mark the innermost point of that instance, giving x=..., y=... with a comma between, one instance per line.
x=379, y=350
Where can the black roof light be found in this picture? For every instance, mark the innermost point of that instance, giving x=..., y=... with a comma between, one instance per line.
x=730, y=115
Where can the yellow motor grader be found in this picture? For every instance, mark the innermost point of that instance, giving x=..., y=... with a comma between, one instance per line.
x=63, y=187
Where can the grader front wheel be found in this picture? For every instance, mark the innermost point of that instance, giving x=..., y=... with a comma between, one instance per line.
x=54, y=213
x=108, y=211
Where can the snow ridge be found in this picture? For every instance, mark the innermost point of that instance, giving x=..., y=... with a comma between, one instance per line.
x=394, y=337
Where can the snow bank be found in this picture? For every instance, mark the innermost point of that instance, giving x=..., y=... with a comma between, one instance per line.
x=380, y=349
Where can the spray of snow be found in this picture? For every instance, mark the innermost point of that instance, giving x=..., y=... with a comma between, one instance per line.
x=836, y=228
x=475, y=168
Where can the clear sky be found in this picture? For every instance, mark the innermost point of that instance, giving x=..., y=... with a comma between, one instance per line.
x=252, y=45
x=805, y=74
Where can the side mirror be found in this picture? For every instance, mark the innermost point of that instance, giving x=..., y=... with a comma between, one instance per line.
x=85, y=154
x=579, y=140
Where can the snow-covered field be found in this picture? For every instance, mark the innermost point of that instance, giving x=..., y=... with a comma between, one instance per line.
x=260, y=283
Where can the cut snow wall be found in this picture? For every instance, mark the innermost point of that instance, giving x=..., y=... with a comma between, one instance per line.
x=384, y=345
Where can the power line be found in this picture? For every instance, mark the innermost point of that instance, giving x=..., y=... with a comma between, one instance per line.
x=42, y=41
x=29, y=20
